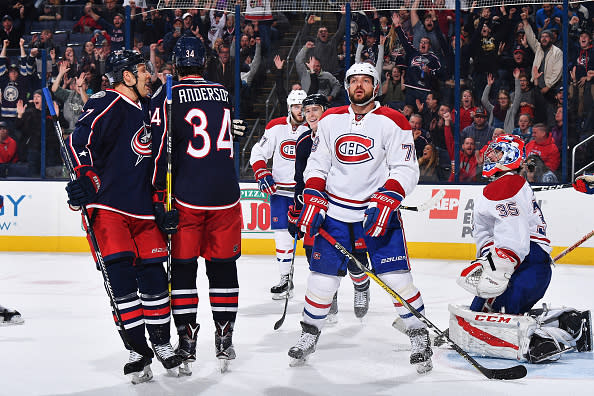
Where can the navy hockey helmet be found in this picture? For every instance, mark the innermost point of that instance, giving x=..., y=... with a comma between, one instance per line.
x=316, y=99
x=122, y=60
x=189, y=51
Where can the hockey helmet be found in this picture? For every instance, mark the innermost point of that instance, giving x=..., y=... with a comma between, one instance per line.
x=122, y=60
x=188, y=51
x=316, y=99
x=295, y=98
x=365, y=69
x=504, y=154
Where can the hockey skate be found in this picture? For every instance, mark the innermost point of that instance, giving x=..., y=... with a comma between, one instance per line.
x=306, y=345
x=284, y=287
x=10, y=317
x=332, y=317
x=545, y=349
x=420, y=350
x=168, y=358
x=361, y=302
x=224, y=344
x=186, y=348
x=138, y=368
x=578, y=325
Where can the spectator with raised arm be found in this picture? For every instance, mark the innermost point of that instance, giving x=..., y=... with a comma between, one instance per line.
x=393, y=88
x=425, y=28
x=325, y=47
x=14, y=84
x=73, y=96
x=313, y=78
x=503, y=113
x=88, y=22
x=10, y=32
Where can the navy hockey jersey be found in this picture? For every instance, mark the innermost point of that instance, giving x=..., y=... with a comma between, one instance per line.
x=112, y=135
x=202, y=147
x=302, y=152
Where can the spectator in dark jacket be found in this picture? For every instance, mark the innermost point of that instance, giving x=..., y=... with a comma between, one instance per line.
x=326, y=47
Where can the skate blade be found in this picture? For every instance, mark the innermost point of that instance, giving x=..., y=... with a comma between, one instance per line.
x=141, y=376
x=224, y=365
x=282, y=296
x=172, y=372
x=13, y=321
x=185, y=369
x=424, y=367
x=297, y=362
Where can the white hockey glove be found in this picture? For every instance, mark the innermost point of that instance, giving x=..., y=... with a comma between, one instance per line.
x=488, y=276
x=238, y=127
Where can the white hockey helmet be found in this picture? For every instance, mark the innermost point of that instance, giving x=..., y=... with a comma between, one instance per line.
x=295, y=97
x=365, y=69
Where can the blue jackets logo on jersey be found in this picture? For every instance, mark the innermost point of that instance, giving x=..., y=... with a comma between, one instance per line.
x=353, y=149
x=141, y=143
x=287, y=150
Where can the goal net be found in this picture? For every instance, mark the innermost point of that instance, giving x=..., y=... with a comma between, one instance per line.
x=336, y=5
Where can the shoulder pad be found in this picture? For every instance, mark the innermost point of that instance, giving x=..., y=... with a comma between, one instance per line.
x=276, y=121
x=504, y=188
x=396, y=116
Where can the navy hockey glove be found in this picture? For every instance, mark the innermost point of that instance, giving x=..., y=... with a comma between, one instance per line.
x=265, y=181
x=315, y=206
x=382, y=212
x=167, y=221
x=84, y=189
x=293, y=215
x=584, y=184
x=238, y=128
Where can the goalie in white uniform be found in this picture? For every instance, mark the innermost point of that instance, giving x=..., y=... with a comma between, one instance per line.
x=512, y=272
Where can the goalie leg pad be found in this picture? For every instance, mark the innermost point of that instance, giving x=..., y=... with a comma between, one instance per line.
x=318, y=298
x=574, y=327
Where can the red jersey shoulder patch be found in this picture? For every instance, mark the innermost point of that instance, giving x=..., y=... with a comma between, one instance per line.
x=503, y=188
x=335, y=110
x=396, y=116
x=276, y=121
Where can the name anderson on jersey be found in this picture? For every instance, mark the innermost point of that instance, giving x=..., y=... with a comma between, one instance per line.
x=198, y=94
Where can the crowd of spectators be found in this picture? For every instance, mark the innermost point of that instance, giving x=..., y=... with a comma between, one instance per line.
x=511, y=70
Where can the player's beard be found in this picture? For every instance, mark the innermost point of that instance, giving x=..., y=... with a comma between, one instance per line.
x=364, y=99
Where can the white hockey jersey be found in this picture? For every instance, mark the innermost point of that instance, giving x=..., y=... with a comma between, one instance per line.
x=356, y=155
x=278, y=143
x=508, y=216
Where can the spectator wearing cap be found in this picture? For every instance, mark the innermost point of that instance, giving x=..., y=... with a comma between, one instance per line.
x=116, y=33
x=10, y=32
x=188, y=24
x=325, y=47
x=479, y=130
x=171, y=37
x=14, y=83
x=548, y=17
x=581, y=91
x=546, y=67
x=8, y=146
x=543, y=144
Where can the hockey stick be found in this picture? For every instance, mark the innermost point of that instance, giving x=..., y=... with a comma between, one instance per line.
x=572, y=247
x=510, y=373
x=426, y=205
x=549, y=188
x=280, y=322
x=70, y=166
x=168, y=177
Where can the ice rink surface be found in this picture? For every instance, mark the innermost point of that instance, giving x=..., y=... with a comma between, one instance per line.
x=69, y=345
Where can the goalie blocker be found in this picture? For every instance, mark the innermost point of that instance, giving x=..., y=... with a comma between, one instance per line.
x=541, y=336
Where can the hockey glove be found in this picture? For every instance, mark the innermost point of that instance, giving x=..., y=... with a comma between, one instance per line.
x=238, y=128
x=293, y=215
x=315, y=205
x=382, y=212
x=585, y=184
x=488, y=276
x=167, y=221
x=264, y=177
x=84, y=189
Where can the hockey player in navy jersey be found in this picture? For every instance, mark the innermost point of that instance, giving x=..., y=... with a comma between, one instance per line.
x=313, y=107
x=206, y=193
x=362, y=165
x=111, y=150
x=512, y=272
x=278, y=143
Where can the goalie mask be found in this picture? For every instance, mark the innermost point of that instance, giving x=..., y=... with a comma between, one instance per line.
x=506, y=153
x=367, y=70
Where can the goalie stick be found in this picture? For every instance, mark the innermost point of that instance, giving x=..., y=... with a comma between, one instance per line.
x=425, y=205
x=68, y=162
x=280, y=322
x=515, y=372
x=572, y=247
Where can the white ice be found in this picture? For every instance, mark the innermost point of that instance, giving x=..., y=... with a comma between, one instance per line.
x=69, y=345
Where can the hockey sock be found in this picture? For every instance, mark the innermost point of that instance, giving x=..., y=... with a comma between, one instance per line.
x=359, y=278
x=402, y=283
x=284, y=251
x=223, y=290
x=318, y=298
x=184, y=293
x=122, y=277
x=152, y=284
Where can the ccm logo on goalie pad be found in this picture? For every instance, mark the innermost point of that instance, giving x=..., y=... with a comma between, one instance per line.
x=490, y=318
x=353, y=149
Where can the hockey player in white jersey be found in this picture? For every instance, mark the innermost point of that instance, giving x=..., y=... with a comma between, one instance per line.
x=362, y=165
x=512, y=272
x=278, y=143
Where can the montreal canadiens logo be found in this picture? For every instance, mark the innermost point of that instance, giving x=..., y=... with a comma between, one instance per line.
x=141, y=144
x=353, y=149
x=287, y=150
